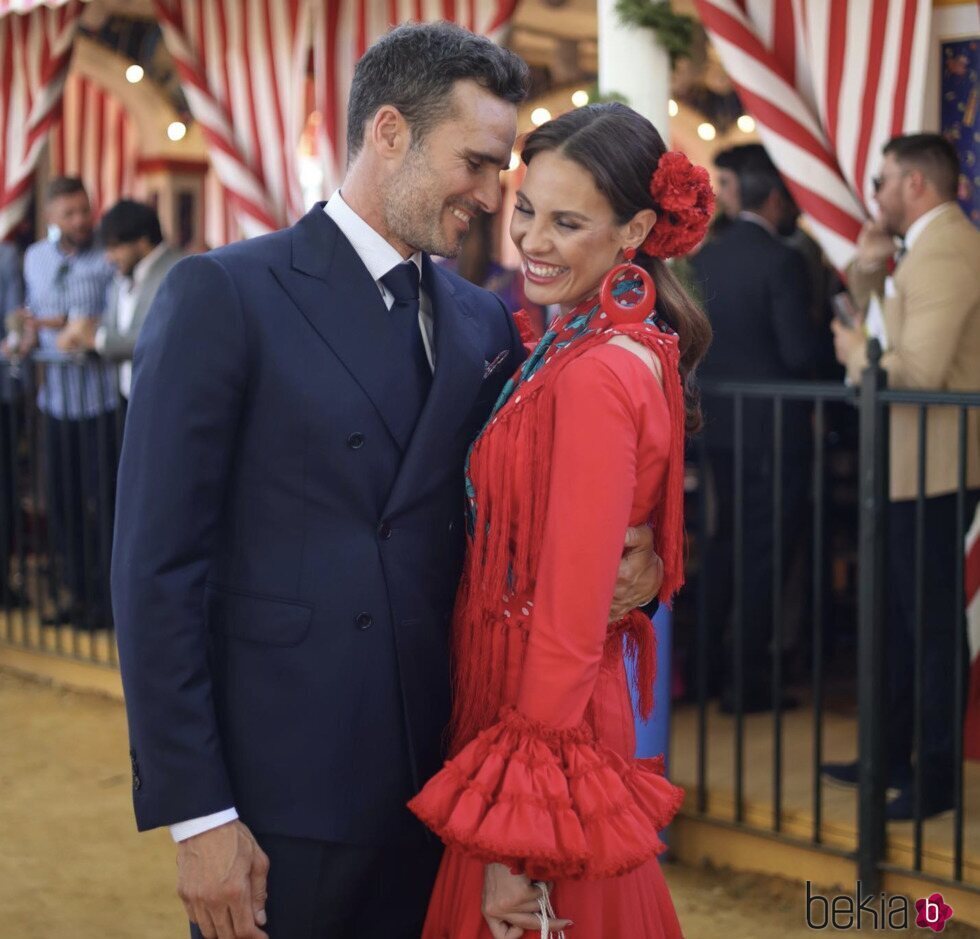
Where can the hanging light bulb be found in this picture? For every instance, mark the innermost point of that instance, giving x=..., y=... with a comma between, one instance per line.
x=515, y=160
x=134, y=74
x=672, y=108
x=707, y=131
x=540, y=116
x=746, y=124
x=580, y=98
x=177, y=131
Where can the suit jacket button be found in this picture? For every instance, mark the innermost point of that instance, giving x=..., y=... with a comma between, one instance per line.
x=137, y=782
x=364, y=621
x=355, y=441
x=384, y=531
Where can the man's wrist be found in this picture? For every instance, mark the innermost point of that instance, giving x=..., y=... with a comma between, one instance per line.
x=181, y=831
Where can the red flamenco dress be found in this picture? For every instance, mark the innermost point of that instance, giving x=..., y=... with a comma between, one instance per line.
x=583, y=443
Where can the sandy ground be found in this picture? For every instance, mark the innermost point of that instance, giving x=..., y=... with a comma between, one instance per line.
x=73, y=867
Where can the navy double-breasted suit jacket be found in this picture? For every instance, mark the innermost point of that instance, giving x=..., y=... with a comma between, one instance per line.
x=283, y=568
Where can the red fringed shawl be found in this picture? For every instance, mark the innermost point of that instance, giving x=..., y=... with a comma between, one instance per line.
x=508, y=478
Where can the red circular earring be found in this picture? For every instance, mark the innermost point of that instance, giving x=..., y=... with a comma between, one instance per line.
x=618, y=313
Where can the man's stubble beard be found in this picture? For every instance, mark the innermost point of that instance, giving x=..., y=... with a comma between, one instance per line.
x=410, y=213
x=78, y=244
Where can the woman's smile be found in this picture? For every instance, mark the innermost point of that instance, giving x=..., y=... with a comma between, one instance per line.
x=541, y=272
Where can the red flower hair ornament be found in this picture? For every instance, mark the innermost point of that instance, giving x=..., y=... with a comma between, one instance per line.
x=685, y=203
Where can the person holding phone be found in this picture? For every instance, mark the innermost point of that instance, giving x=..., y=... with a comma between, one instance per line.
x=926, y=299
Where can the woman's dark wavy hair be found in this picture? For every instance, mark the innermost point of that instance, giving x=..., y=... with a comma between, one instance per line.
x=621, y=150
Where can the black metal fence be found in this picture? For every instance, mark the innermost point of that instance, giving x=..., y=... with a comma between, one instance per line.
x=60, y=431
x=780, y=450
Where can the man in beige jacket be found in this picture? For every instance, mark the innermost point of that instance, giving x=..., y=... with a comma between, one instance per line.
x=926, y=313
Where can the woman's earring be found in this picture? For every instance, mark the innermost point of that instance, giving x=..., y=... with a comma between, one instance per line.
x=630, y=281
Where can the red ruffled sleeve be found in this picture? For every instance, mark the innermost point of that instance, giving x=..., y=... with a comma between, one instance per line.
x=550, y=803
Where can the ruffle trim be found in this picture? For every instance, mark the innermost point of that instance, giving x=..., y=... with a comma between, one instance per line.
x=549, y=803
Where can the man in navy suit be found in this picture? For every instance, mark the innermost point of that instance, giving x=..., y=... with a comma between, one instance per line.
x=756, y=292
x=289, y=529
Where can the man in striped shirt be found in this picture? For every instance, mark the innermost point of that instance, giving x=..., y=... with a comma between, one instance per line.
x=68, y=279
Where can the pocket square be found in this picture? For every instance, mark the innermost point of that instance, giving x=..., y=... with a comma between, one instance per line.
x=490, y=366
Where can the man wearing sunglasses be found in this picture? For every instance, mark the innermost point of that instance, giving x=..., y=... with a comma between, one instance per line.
x=928, y=297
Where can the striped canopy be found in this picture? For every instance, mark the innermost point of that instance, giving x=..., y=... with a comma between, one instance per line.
x=243, y=68
x=828, y=83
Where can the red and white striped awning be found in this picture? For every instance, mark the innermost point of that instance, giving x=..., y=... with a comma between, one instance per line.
x=243, y=67
x=97, y=141
x=828, y=83
x=35, y=49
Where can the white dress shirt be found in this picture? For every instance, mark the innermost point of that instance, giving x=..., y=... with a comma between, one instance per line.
x=379, y=257
x=126, y=297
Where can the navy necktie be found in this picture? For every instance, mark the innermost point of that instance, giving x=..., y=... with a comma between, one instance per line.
x=409, y=364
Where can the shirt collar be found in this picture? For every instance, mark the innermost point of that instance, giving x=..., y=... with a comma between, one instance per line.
x=758, y=220
x=922, y=222
x=378, y=255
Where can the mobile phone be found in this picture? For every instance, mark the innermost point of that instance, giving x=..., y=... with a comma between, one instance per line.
x=844, y=309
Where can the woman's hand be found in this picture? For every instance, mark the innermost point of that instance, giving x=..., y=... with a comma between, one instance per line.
x=510, y=904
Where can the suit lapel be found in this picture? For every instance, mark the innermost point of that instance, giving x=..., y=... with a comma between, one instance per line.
x=455, y=384
x=332, y=288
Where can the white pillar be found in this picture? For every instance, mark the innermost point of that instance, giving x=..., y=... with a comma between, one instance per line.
x=632, y=63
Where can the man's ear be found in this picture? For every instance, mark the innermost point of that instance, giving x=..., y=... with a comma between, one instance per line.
x=918, y=182
x=388, y=133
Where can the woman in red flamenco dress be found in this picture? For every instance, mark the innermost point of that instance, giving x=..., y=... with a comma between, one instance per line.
x=541, y=801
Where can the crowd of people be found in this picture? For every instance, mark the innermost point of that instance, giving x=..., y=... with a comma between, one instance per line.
x=74, y=306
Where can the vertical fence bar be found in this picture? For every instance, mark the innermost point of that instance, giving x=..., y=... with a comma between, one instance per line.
x=959, y=665
x=817, y=560
x=103, y=488
x=64, y=429
x=777, y=613
x=5, y=522
x=34, y=429
x=86, y=461
x=739, y=598
x=17, y=514
x=120, y=414
x=702, y=630
x=108, y=463
x=918, y=696
x=872, y=490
